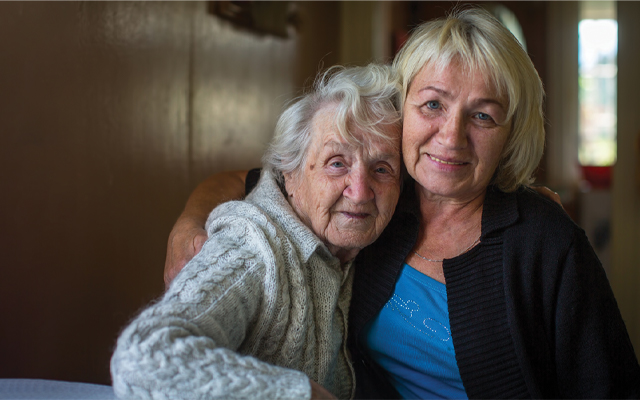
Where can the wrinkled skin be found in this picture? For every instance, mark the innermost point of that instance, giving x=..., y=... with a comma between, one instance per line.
x=346, y=193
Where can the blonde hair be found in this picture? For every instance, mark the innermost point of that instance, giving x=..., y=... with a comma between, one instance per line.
x=481, y=43
x=362, y=97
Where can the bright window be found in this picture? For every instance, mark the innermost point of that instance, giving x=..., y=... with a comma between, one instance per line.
x=598, y=49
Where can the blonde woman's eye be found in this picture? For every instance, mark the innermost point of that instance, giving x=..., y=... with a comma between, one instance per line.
x=484, y=117
x=433, y=104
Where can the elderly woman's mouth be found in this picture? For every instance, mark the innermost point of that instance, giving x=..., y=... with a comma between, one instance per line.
x=355, y=215
x=447, y=162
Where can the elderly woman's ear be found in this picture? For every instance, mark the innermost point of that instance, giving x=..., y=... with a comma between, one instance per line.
x=290, y=183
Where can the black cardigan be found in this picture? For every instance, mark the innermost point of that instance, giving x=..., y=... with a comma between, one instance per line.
x=531, y=311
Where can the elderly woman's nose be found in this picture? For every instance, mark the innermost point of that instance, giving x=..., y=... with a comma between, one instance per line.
x=453, y=132
x=359, y=189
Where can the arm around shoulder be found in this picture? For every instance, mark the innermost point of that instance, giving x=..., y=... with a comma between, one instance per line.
x=188, y=235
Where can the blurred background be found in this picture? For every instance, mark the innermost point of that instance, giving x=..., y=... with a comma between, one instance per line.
x=112, y=112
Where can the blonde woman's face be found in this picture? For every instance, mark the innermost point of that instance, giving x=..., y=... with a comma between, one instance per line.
x=346, y=193
x=455, y=129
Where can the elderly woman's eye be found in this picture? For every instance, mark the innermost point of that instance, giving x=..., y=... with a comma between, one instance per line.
x=337, y=164
x=382, y=170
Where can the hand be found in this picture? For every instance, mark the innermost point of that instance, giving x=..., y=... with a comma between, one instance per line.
x=319, y=392
x=185, y=241
x=548, y=193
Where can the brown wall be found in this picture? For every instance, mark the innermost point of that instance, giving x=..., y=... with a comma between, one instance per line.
x=110, y=113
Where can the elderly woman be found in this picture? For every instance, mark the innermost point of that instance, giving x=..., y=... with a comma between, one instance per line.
x=261, y=311
x=479, y=287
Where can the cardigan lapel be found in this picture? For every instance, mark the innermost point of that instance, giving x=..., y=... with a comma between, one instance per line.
x=480, y=329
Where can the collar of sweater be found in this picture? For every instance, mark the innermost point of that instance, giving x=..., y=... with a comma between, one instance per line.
x=268, y=197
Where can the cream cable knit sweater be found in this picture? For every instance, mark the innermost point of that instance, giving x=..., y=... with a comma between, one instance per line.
x=262, y=308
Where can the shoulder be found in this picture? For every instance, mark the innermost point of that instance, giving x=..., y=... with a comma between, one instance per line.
x=236, y=213
x=543, y=238
x=545, y=216
x=242, y=240
x=243, y=255
x=534, y=231
x=242, y=227
x=261, y=212
x=529, y=200
x=530, y=213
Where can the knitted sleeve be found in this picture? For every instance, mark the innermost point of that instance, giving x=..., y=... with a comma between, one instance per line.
x=186, y=345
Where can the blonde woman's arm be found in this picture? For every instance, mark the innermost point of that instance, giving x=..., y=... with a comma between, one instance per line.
x=188, y=235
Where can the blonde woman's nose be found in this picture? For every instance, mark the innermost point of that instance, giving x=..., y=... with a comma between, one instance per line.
x=453, y=133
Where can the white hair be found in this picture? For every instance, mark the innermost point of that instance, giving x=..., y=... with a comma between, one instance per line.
x=362, y=97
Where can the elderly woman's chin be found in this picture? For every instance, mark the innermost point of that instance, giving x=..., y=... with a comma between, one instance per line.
x=347, y=236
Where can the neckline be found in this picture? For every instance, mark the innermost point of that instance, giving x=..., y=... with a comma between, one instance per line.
x=425, y=279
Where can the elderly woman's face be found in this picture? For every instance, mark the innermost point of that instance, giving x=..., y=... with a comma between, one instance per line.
x=346, y=194
x=454, y=131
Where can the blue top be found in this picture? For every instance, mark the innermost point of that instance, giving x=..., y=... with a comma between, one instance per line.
x=420, y=360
